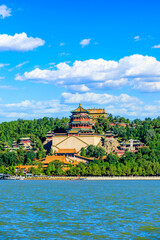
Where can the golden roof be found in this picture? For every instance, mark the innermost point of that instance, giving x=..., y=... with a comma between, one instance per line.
x=49, y=159
x=97, y=111
x=46, y=161
x=80, y=109
x=71, y=150
x=26, y=167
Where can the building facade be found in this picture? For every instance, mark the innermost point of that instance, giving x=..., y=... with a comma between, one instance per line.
x=80, y=133
x=95, y=113
x=80, y=122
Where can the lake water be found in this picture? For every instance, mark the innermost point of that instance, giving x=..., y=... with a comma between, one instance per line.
x=80, y=209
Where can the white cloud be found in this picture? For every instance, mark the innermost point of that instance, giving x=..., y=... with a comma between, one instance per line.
x=62, y=44
x=95, y=70
x=85, y=42
x=122, y=105
x=95, y=98
x=19, y=42
x=79, y=88
x=21, y=105
x=130, y=71
x=148, y=86
x=110, y=84
x=4, y=11
x=156, y=46
x=19, y=65
x=29, y=109
x=3, y=65
x=137, y=38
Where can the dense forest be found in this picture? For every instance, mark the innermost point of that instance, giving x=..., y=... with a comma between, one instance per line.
x=36, y=130
x=145, y=162
x=10, y=131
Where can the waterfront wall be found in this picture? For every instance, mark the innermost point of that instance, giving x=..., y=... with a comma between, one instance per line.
x=125, y=178
x=93, y=178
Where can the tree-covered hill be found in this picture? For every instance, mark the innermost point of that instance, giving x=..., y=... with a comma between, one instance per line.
x=147, y=131
x=145, y=162
x=14, y=130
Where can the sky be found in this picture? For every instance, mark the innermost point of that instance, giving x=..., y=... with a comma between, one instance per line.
x=100, y=53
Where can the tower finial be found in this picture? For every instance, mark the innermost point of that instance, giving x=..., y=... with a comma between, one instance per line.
x=80, y=104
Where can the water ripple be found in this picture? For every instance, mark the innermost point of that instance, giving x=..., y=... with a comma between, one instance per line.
x=79, y=210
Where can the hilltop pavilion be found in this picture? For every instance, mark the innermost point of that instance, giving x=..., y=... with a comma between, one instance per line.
x=80, y=133
x=80, y=122
x=95, y=113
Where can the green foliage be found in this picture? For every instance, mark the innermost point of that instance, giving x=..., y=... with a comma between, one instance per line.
x=36, y=171
x=10, y=170
x=9, y=159
x=128, y=165
x=101, y=125
x=54, y=168
x=96, y=152
x=30, y=157
x=83, y=152
x=21, y=157
x=51, y=152
x=20, y=173
x=36, y=128
x=145, y=162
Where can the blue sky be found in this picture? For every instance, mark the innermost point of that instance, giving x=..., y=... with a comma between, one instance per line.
x=55, y=54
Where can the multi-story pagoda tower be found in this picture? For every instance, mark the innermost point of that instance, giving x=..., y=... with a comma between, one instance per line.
x=80, y=122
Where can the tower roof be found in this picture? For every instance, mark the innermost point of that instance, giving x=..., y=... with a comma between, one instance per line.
x=97, y=111
x=80, y=109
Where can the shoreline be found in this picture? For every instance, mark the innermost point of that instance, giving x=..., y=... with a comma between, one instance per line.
x=125, y=178
x=96, y=178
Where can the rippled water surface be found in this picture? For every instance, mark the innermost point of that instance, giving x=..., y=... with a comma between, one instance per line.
x=80, y=209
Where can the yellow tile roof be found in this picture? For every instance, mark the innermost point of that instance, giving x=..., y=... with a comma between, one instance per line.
x=80, y=109
x=49, y=159
x=26, y=167
x=96, y=110
x=69, y=150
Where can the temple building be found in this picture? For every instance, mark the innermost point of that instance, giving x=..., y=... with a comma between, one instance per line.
x=25, y=140
x=131, y=145
x=80, y=133
x=26, y=143
x=49, y=135
x=80, y=122
x=109, y=134
x=95, y=113
x=66, y=152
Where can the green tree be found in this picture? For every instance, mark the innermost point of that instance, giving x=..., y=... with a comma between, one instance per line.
x=83, y=152
x=50, y=169
x=50, y=152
